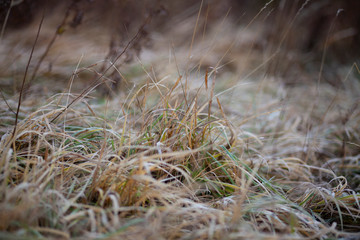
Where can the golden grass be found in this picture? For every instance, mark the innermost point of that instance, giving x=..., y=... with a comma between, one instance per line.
x=202, y=155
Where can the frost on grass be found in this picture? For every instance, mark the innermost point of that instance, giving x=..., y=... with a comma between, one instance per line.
x=193, y=148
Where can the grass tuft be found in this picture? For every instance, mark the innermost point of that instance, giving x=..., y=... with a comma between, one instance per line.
x=197, y=153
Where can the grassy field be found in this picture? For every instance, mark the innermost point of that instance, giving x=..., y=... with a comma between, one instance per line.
x=208, y=127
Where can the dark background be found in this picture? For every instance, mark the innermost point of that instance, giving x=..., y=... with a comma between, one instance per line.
x=309, y=32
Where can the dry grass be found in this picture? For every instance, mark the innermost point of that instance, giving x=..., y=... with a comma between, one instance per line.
x=196, y=146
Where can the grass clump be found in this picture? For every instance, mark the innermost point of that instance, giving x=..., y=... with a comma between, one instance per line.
x=168, y=168
x=198, y=154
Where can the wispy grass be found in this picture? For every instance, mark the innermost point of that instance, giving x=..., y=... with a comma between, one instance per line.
x=199, y=156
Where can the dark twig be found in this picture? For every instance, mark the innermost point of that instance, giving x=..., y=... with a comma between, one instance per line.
x=5, y=21
x=6, y=102
x=25, y=74
x=97, y=81
x=59, y=31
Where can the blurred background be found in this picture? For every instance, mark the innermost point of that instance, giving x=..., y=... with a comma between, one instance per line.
x=298, y=33
x=307, y=34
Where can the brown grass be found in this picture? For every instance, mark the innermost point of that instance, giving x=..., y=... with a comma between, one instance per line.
x=202, y=141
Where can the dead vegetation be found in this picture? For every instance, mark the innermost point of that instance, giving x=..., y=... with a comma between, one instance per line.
x=208, y=136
